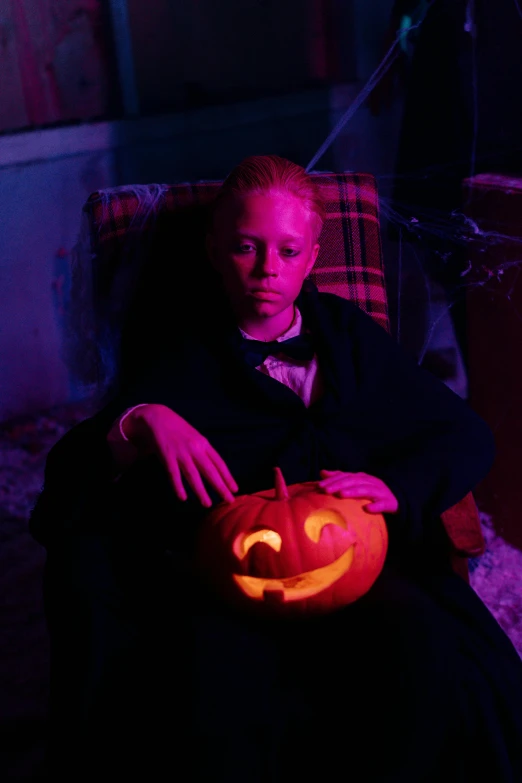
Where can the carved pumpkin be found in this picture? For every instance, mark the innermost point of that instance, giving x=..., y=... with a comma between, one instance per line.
x=292, y=550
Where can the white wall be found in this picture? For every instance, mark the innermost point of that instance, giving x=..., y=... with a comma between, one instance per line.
x=41, y=193
x=45, y=178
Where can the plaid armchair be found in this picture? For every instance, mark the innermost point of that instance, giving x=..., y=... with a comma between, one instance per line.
x=163, y=225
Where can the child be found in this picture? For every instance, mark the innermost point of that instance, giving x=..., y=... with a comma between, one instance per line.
x=415, y=682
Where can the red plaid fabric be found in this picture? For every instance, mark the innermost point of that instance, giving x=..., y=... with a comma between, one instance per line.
x=349, y=264
x=350, y=260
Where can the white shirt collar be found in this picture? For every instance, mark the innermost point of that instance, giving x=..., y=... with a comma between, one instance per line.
x=293, y=331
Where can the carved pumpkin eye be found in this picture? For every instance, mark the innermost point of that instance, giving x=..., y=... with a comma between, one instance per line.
x=245, y=541
x=318, y=519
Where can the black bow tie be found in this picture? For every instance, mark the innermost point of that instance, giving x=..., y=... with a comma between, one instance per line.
x=256, y=351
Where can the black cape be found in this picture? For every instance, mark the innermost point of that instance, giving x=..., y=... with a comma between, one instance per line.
x=419, y=658
x=381, y=414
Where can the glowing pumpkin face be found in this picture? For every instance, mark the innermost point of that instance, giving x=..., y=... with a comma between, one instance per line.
x=292, y=550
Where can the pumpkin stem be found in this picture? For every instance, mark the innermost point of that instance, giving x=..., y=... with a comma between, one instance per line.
x=281, y=490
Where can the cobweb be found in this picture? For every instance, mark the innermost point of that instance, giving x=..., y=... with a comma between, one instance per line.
x=451, y=252
x=455, y=232
x=450, y=213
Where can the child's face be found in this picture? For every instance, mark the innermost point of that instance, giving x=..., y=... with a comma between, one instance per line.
x=263, y=247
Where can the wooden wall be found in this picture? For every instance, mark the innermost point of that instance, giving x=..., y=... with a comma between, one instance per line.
x=53, y=63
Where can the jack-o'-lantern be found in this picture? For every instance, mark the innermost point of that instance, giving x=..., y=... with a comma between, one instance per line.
x=292, y=550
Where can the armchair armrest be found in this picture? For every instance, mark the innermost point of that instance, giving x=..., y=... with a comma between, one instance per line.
x=462, y=524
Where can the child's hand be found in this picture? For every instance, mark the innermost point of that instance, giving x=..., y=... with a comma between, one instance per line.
x=360, y=485
x=186, y=454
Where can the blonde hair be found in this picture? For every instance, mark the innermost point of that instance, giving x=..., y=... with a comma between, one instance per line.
x=259, y=174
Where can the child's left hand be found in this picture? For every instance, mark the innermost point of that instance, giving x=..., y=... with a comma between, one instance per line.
x=360, y=485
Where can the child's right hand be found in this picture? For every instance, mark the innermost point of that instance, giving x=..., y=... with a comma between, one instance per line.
x=185, y=453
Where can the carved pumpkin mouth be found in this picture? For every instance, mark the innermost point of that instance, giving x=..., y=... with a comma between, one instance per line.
x=296, y=588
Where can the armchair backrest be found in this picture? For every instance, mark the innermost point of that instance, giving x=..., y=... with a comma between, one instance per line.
x=141, y=261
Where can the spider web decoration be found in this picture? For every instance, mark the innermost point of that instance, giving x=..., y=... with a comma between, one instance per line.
x=436, y=252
